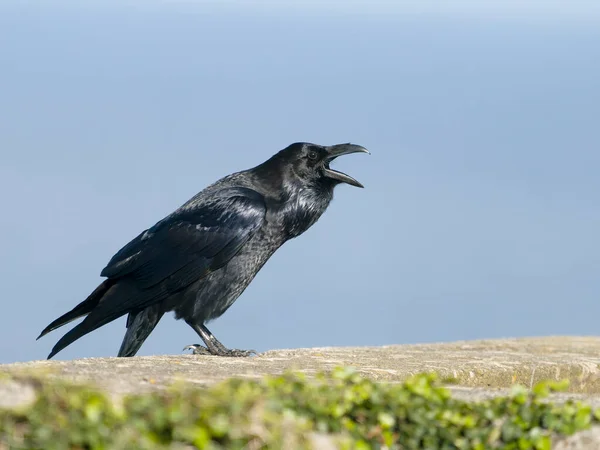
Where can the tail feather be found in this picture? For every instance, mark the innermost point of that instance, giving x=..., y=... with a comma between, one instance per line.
x=107, y=308
x=84, y=308
x=102, y=312
x=70, y=337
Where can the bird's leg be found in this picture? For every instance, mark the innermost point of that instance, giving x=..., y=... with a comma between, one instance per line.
x=213, y=346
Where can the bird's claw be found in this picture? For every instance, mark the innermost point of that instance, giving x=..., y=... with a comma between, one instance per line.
x=235, y=353
x=197, y=349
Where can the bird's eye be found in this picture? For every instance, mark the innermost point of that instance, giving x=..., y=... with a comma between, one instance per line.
x=312, y=155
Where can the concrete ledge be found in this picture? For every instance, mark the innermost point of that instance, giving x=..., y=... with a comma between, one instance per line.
x=487, y=364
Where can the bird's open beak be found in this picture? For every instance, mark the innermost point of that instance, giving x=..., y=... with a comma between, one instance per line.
x=338, y=150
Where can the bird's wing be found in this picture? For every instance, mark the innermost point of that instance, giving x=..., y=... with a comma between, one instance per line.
x=200, y=237
x=193, y=241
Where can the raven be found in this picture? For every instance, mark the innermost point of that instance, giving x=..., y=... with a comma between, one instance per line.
x=198, y=260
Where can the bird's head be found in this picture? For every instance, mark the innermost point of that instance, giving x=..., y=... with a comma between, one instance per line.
x=311, y=162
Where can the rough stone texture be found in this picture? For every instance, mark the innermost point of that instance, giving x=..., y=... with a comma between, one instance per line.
x=489, y=364
x=589, y=439
x=15, y=394
x=482, y=369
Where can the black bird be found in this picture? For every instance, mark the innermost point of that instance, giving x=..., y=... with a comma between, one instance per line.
x=198, y=260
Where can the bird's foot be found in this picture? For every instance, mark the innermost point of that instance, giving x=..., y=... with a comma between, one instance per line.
x=235, y=353
x=198, y=349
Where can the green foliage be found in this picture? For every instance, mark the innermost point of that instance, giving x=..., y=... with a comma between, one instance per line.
x=286, y=412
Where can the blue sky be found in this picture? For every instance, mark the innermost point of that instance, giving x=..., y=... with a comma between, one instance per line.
x=480, y=214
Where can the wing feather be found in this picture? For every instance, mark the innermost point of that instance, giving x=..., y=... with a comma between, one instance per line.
x=181, y=249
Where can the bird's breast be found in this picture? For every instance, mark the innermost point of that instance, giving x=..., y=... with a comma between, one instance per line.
x=216, y=292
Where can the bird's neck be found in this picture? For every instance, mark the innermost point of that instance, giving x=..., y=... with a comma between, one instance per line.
x=302, y=206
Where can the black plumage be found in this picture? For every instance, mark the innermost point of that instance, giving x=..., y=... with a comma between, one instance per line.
x=198, y=260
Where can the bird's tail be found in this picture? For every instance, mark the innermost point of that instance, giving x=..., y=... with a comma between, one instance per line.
x=84, y=308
